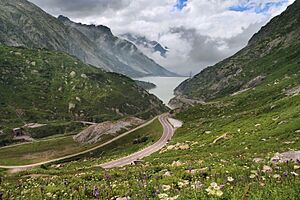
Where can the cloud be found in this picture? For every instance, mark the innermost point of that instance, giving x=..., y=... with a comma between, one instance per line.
x=199, y=32
x=81, y=8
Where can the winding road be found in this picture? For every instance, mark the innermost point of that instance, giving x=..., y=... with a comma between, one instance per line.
x=167, y=135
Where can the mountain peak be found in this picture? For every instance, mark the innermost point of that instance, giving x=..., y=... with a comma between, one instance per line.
x=63, y=18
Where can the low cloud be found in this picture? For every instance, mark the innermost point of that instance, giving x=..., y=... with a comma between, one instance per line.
x=198, y=34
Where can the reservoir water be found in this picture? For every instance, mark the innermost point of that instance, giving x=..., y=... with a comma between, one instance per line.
x=164, y=86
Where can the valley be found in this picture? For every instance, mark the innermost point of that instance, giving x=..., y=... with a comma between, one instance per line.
x=70, y=128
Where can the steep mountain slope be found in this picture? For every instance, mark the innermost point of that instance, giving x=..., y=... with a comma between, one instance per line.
x=42, y=86
x=24, y=24
x=143, y=42
x=124, y=51
x=268, y=52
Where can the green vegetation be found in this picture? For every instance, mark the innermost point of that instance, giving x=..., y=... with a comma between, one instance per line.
x=224, y=149
x=145, y=85
x=56, y=147
x=48, y=87
x=270, y=52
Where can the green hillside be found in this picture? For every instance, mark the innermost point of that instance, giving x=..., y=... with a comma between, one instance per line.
x=41, y=86
x=268, y=54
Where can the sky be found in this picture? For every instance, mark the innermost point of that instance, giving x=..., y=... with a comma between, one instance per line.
x=199, y=33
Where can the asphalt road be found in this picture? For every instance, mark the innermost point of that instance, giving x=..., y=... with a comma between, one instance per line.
x=167, y=135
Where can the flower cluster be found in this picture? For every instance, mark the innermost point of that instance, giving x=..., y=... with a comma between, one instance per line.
x=214, y=190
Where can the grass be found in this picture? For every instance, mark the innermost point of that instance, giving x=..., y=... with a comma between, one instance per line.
x=53, y=88
x=258, y=124
x=56, y=147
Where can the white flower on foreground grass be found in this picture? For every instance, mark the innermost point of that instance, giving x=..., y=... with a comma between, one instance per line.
x=276, y=176
x=230, y=179
x=214, y=190
x=164, y=196
x=294, y=174
x=166, y=187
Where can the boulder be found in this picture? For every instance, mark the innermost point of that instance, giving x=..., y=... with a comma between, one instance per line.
x=286, y=156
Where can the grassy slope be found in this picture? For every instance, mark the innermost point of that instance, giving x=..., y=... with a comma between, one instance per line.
x=47, y=86
x=268, y=51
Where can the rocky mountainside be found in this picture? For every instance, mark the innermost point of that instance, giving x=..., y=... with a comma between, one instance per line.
x=268, y=52
x=24, y=24
x=143, y=42
x=44, y=86
x=124, y=51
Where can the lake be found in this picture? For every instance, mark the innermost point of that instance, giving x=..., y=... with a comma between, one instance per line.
x=165, y=86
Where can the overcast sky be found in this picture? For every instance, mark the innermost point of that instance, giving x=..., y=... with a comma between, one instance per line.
x=198, y=32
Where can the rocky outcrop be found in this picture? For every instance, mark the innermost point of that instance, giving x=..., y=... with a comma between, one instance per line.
x=98, y=132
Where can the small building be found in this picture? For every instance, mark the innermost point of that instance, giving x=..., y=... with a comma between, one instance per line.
x=18, y=132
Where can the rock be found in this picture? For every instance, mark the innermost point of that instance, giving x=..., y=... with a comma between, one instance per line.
x=286, y=156
x=83, y=76
x=170, y=147
x=224, y=136
x=96, y=132
x=267, y=169
x=184, y=147
x=258, y=160
x=254, y=82
x=297, y=131
x=293, y=91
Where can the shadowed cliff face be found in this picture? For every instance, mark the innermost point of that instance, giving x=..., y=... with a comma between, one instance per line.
x=24, y=24
x=262, y=57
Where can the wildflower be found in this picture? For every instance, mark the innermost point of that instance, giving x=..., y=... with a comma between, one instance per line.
x=285, y=174
x=197, y=185
x=49, y=194
x=183, y=184
x=294, y=174
x=173, y=198
x=166, y=187
x=163, y=196
x=252, y=176
x=214, y=190
x=96, y=192
x=230, y=179
x=296, y=167
x=219, y=193
x=276, y=176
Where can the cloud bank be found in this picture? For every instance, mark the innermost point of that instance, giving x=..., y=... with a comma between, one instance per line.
x=198, y=32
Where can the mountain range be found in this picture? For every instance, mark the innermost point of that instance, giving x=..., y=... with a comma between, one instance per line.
x=144, y=43
x=24, y=24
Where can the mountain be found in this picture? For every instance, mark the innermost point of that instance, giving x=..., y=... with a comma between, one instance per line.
x=143, y=43
x=47, y=86
x=269, y=52
x=24, y=24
